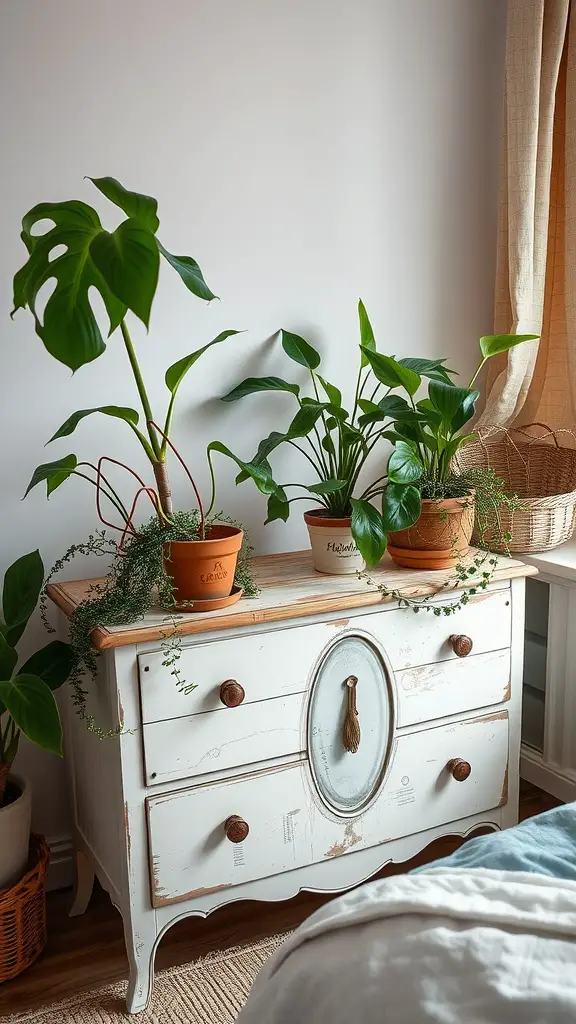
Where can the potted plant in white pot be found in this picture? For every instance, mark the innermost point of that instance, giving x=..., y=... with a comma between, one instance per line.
x=27, y=706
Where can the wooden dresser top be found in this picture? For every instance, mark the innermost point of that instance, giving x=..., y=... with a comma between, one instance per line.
x=289, y=588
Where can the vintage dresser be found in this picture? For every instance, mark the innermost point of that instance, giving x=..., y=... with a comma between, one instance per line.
x=243, y=788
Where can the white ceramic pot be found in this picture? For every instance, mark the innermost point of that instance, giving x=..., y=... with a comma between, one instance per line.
x=334, y=550
x=15, y=818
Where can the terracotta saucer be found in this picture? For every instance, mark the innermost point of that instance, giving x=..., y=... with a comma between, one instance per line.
x=212, y=604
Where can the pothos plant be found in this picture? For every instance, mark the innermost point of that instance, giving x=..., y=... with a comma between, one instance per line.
x=27, y=704
x=337, y=443
x=79, y=256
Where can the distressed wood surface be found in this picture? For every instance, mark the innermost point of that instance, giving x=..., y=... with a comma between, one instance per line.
x=436, y=691
x=290, y=588
x=227, y=738
x=191, y=856
x=280, y=662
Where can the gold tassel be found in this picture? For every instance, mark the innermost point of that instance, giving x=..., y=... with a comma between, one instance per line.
x=351, y=730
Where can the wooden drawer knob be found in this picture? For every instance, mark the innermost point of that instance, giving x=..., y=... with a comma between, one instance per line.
x=231, y=693
x=236, y=828
x=459, y=769
x=461, y=645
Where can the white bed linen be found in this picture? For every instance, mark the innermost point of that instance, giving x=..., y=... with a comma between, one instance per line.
x=458, y=946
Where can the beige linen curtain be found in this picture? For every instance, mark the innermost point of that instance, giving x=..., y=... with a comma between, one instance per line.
x=536, y=267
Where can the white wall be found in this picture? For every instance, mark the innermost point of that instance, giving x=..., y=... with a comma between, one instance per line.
x=305, y=153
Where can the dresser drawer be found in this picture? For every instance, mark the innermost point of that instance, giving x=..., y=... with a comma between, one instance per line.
x=230, y=738
x=290, y=827
x=266, y=665
x=279, y=662
x=450, y=687
x=421, y=638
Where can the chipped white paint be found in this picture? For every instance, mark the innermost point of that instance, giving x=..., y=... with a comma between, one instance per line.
x=227, y=738
x=157, y=844
x=191, y=851
x=275, y=662
x=446, y=688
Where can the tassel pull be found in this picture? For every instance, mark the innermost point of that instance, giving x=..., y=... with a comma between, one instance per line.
x=351, y=730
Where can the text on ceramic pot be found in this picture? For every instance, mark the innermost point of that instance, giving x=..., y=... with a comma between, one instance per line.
x=218, y=573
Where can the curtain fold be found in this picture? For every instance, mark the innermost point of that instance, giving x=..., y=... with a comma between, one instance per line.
x=536, y=263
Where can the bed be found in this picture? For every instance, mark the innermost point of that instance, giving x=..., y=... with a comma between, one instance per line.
x=487, y=934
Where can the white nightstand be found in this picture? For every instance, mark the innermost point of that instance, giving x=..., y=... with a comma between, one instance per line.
x=549, y=714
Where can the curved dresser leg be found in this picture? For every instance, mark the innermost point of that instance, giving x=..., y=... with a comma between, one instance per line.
x=141, y=949
x=83, y=885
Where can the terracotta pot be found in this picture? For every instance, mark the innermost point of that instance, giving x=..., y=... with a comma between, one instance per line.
x=439, y=539
x=15, y=814
x=334, y=549
x=203, y=569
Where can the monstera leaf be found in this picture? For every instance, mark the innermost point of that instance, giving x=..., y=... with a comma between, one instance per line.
x=69, y=329
x=121, y=265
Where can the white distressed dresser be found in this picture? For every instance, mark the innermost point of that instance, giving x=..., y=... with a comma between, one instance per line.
x=248, y=787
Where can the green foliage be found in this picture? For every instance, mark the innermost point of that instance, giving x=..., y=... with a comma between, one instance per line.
x=122, y=266
x=299, y=350
x=53, y=473
x=474, y=575
x=492, y=344
x=368, y=530
x=116, y=411
x=27, y=702
x=135, y=583
x=337, y=444
x=21, y=590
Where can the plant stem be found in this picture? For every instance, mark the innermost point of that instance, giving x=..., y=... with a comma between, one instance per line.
x=147, y=409
x=167, y=495
x=164, y=492
x=331, y=468
x=476, y=374
x=373, y=484
x=117, y=504
x=317, y=469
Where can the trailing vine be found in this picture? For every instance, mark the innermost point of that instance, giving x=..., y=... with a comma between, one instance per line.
x=136, y=582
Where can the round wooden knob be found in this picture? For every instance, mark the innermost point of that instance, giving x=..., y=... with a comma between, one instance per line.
x=459, y=769
x=236, y=828
x=231, y=693
x=461, y=645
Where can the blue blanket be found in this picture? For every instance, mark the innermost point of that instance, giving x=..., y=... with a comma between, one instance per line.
x=545, y=845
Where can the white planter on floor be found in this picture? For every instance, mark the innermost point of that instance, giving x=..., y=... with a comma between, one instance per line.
x=15, y=818
x=334, y=550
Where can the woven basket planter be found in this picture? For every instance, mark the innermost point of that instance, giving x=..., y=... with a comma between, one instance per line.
x=543, y=475
x=23, y=914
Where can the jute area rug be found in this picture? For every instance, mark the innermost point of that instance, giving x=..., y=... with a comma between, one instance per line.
x=208, y=991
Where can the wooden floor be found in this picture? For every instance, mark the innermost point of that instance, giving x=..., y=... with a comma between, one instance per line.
x=88, y=951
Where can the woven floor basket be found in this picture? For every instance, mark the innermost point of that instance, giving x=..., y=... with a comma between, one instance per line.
x=537, y=469
x=23, y=914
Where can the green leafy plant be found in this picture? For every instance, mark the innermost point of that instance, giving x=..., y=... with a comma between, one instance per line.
x=27, y=703
x=475, y=574
x=425, y=434
x=122, y=266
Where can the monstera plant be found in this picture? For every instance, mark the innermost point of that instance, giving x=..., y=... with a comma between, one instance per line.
x=80, y=260
x=122, y=266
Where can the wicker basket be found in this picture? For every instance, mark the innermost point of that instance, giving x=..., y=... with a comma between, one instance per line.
x=540, y=472
x=23, y=914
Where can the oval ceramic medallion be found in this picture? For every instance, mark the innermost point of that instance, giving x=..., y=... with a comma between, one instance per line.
x=348, y=781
